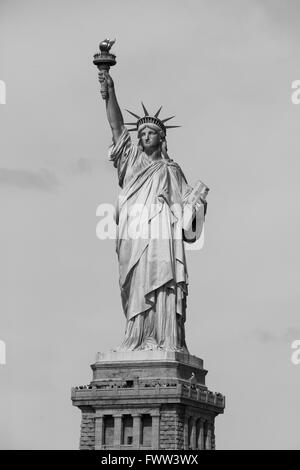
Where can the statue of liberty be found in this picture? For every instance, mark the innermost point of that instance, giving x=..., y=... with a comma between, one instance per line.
x=153, y=273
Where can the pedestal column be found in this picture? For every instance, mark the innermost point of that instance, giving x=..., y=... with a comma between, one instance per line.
x=193, y=443
x=201, y=434
x=136, y=430
x=208, y=437
x=213, y=437
x=186, y=433
x=155, y=430
x=98, y=430
x=117, y=430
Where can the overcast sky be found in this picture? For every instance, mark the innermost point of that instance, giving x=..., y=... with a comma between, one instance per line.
x=225, y=69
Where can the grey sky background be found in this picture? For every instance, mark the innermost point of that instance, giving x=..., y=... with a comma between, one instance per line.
x=225, y=69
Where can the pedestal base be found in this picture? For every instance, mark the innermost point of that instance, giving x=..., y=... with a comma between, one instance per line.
x=147, y=400
x=138, y=365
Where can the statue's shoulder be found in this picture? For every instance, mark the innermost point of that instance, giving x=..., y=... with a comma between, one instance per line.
x=178, y=169
x=174, y=164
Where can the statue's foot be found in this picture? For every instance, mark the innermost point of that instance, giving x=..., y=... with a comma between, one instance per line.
x=121, y=349
x=180, y=349
x=149, y=345
x=143, y=347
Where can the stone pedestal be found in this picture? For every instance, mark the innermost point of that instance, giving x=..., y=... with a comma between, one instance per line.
x=147, y=400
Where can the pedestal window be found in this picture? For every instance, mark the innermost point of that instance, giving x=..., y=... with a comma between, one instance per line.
x=108, y=431
x=127, y=430
x=146, y=431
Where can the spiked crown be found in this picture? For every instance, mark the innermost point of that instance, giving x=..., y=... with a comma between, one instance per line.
x=147, y=119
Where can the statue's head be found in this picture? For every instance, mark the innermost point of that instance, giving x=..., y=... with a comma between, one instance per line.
x=151, y=131
x=151, y=137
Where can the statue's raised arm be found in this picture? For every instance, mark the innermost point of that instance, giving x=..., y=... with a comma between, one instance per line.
x=113, y=111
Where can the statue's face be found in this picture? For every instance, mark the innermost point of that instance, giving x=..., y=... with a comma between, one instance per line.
x=150, y=138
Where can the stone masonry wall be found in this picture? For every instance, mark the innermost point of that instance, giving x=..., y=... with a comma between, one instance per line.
x=171, y=427
x=180, y=427
x=87, y=434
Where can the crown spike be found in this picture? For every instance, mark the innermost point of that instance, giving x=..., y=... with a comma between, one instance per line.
x=167, y=119
x=142, y=121
x=157, y=112
x=132, y=114
x=145, y=110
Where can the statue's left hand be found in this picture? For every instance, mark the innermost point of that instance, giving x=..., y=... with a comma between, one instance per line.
x=200, y=203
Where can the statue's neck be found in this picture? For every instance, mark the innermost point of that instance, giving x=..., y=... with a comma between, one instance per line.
x=153, y=154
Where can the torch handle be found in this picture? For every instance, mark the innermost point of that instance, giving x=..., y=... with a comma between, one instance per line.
x=103, y=85
x=104, y=90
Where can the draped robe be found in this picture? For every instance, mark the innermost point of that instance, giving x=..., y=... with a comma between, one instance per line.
x=153, y=274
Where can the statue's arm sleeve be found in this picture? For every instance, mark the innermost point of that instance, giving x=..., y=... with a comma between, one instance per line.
x=123, y=154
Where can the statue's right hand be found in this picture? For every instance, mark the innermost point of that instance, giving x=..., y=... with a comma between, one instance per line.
x=104, y=76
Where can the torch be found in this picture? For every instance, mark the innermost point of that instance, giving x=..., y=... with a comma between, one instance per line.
x=104, y=60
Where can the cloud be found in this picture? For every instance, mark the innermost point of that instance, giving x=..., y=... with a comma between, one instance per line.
x=88, y=166
x=43, y=180
x=266, y=336
x=82, y=166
